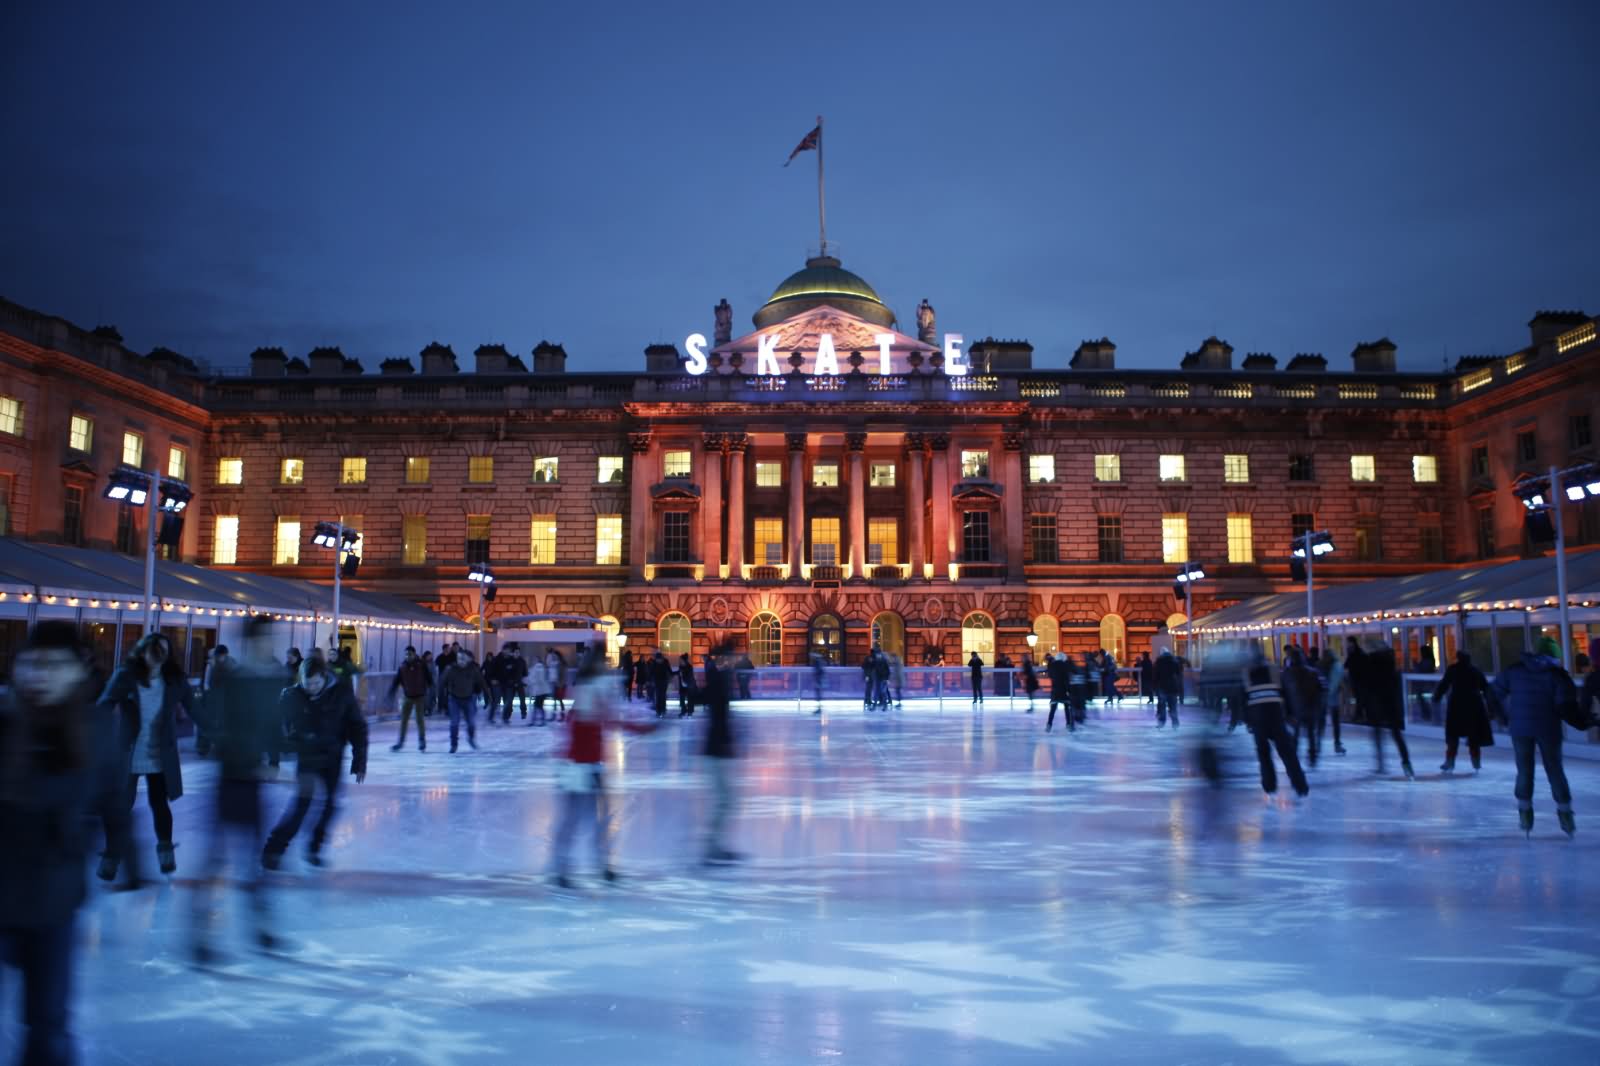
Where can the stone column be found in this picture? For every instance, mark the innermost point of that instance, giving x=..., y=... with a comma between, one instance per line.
x=641, y=472
x=1011, y=502
x=736, y=444
x=711, y=505
x=797, y=503
x=940, y=503
x=854, y=444
x=916, y=504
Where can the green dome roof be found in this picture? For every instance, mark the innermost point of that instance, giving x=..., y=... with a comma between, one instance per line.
x=824, y=281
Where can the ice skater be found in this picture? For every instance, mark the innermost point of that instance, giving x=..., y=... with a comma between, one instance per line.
x=581, y=774
x=1537, y=694
x=413, y=682
x=1167, y=679
x=720, y=753
x=975, y=668
x=1265, y=711
x=319, y=718
x=145, y=693
x=1466, y=716
x=461, y=683
x=244, y=722
x=1060, y=674
x=1375, y=673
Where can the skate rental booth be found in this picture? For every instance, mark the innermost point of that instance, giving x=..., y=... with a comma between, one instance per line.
x=198, y=608
x=1493, y=612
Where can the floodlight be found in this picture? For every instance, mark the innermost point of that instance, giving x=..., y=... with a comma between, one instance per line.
x=1575, y=493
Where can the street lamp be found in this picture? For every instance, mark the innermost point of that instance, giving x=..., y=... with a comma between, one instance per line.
x=346, y=563
x=1541, y=496
x=166, y=498
x=1303, y=552
x=483, y=576
x=1184, y=585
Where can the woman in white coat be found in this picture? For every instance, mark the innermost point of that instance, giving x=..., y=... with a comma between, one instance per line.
x=539, y=688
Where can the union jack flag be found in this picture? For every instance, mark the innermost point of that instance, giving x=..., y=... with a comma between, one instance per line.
x=807, y=143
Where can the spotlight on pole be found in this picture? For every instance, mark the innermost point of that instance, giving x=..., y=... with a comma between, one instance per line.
x=1321, y=544
x=481, y=573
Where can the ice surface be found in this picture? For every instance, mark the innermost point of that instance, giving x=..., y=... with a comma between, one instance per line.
x=922, y=887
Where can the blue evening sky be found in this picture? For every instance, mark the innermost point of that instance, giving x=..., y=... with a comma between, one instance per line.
x=1289, y=176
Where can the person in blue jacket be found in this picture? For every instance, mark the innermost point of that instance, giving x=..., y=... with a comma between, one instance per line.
x=1535, y=693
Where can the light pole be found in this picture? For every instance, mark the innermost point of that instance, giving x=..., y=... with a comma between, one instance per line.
x=1303, y=551
x=483, y=576
x=1544, y=522
x=346, y=563
x=164, y=498
x=1185, y=579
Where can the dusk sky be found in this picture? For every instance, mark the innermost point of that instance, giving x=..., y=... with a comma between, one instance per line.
x=1291, y=177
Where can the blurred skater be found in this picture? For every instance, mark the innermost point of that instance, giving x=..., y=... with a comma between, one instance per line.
x=720, y=752
x=319, y=717
x=1467, y=713
x=1265, y=711
x=1167, y=678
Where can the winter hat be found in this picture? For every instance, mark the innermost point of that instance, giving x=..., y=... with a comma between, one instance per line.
x=1547, y=646
x=55, y=634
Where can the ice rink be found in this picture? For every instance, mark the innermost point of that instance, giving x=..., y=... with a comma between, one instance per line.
x=921, y=887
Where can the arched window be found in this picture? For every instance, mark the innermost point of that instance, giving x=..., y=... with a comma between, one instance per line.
x=672, y=634
x=1048, y=630
x=889, y=633
x=1114, y=637
x=766, y=640
x=827, y=638
x=977, y=635
x=613, y=650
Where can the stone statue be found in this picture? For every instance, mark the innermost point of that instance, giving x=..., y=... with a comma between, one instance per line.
x=724, y=331
x=925, y=328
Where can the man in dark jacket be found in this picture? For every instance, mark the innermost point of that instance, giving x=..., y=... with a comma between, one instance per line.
x=319, y=718
x=241, y=715
x=1534, y=694
x=60, y=765
x=1167, y=677
x=660, y=679
x=1303, y=688
x=461, y=683
x=413, y=680
x=720, y=750
x=1060, y=691
x=1467, y=713
x=1376, y=680
x=975, y=667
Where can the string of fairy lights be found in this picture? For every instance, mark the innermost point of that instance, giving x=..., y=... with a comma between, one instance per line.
x=196, y=610
x=1381, y=616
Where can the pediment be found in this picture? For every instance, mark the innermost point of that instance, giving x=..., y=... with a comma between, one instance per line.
x=977, y=490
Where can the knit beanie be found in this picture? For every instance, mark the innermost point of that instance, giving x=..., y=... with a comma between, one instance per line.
x=1548, y=646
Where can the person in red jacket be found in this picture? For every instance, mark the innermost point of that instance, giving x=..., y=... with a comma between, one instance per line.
x=582, y=771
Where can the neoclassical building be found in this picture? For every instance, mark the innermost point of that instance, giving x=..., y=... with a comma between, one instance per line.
x=818, y=482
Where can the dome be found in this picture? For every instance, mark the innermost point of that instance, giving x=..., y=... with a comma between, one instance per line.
x=824, y=281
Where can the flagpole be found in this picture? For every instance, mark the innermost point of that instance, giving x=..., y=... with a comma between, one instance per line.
x=822, y=203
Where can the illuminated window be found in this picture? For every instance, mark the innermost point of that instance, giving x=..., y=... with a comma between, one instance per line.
x=889, y=633
x=1108, y=530
x=546, y=468
x=974, y=465
x=1302, y=468
x=1043, y=544
x=286, y=542
x=827, y=639
x=1236, y=469
x=230, y=471
x=292, y=472
x=825, y=542
x=353, y=471
x=977, y=635
x=608, y=540
x=177, y=463
x=542, y=540
x=1424, y=469
x=1048, y=630
x=80, y=437
x=769, y=541
x=766, y=640
x=1041, y=469
x=825, y=475
x=1363, y=468
x=225, y=540
x=675, y=537
x=1108, y=468
x=609, y=471
x=881, y=476
x=480, y=469
x=675, y=464
x=974, y=536
x=883, y=541
x=132, y=445
x=11, y=415
x=1241, y=541
x=1172, y=468
x=478, y=532
x=673, y=635
x=769, y=475
x=414, y=539
x=1114, y=636
x=418, y=469
x=1174, y=538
